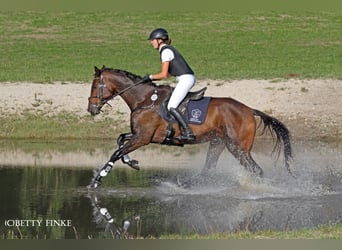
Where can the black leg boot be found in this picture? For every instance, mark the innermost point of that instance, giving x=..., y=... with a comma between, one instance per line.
x=187, y=135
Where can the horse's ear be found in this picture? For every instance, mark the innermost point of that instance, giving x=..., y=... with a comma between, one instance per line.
x=103, y=66
x=97, y=71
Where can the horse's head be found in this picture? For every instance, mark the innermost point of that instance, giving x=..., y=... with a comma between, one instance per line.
x=99, y=94
x=109, y=83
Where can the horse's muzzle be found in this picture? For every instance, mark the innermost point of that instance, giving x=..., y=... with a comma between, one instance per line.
x=93, y=109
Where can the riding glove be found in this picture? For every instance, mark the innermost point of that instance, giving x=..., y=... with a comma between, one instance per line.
x=146, y=78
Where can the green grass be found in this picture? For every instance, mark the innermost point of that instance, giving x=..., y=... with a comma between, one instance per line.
x=64, y=126
x=321, y=232
x=51, y=46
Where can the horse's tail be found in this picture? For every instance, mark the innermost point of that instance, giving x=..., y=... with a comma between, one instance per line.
x=282, y=135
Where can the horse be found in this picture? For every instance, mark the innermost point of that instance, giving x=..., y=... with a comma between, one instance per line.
x=229, y=123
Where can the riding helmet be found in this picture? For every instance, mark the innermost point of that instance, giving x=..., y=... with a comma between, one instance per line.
x=159, y=33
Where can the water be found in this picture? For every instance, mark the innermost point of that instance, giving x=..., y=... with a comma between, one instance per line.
x=44, y=195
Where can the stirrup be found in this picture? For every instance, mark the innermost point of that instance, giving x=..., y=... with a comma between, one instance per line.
x=187, y=136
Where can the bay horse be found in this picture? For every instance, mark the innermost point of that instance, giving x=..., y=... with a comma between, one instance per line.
x=229, y=123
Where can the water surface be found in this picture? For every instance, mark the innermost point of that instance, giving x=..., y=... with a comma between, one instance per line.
x=151, y=202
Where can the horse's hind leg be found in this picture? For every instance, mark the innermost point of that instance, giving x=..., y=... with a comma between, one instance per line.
x=215, y=149
x=244, y=158
x=248, y=162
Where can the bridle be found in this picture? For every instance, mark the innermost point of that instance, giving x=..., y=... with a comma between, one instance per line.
x=101, y=86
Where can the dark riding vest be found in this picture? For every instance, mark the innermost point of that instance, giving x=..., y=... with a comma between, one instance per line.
x=178, y=66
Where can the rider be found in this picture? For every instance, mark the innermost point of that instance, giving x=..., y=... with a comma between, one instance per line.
x=173, y=64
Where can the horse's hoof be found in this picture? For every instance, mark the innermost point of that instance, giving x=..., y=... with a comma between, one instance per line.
x=94, y=184
x=186, y=184
x=260, y=173
x=134, y=164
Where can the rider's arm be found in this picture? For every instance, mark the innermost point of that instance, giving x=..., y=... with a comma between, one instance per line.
x=164, y=73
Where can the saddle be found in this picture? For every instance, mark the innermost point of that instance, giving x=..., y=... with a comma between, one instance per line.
x=183, y=108
x=196, y=95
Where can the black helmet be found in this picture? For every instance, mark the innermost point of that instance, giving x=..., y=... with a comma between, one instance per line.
x=159, y=33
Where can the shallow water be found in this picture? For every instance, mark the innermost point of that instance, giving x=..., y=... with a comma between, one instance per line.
x=46, y=199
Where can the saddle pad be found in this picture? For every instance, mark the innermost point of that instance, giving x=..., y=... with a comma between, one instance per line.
x=197, y=110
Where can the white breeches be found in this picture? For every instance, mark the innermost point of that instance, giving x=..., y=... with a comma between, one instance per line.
x=184, y=84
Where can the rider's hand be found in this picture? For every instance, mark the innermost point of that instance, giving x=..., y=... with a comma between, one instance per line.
x=146, y=78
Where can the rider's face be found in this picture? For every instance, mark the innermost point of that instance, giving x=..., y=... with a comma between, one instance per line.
x=155, y=43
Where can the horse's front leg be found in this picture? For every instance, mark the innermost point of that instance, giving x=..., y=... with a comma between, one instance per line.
x=125, y=158
x=98, y=175
x=131, y=145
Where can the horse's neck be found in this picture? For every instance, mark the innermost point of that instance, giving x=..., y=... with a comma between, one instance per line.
x=141, y=95
x=137, y=95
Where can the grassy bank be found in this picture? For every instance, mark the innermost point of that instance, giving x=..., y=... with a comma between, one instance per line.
x=63, y=126
x=321, y=232
x=45, y=46
x=324, y=232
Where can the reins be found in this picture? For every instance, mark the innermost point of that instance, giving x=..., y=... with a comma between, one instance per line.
x=124, y=90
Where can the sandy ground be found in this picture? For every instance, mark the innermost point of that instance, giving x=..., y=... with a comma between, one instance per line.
x=310, y=108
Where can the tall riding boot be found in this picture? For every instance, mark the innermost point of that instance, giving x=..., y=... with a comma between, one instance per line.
x=187, y=135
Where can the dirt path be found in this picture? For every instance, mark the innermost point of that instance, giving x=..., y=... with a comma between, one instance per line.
x=310, y=108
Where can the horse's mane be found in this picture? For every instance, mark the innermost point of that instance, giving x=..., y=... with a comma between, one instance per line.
x=130, y=75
